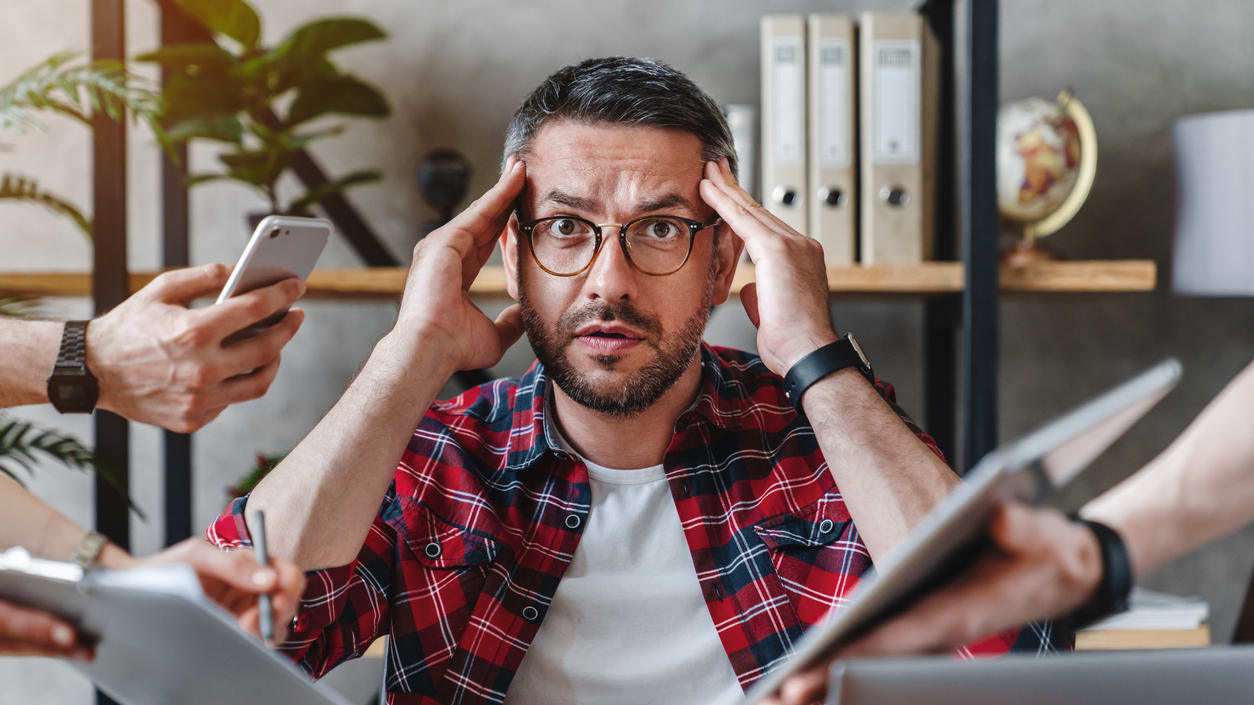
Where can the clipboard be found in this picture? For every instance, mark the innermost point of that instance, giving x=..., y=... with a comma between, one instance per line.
x=159, y=639
x=952, y=536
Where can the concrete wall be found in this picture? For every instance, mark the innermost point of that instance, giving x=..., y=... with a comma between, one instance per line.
x=455, y=71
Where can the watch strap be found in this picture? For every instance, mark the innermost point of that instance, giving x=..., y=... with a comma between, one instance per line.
x=1116, y=583
x=73, y=351
x=829, y=359
x=88, y=550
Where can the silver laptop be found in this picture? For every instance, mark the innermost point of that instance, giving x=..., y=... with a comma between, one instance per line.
x=952, y=535
x=161, y=640
x=1214, y=676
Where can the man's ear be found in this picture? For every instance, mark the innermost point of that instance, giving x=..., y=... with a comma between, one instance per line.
x=726, y=257
x=509, y=255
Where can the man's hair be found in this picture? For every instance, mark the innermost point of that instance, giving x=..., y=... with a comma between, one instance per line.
x=622, y=91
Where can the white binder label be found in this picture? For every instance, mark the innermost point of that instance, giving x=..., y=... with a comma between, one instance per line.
x=835, y=110
x=788, y=125
x=896, y=101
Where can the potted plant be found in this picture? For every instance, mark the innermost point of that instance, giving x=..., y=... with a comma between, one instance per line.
x=66, y=85
x=258, y=100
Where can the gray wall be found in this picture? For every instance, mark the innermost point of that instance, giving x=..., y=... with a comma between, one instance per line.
x=455, y=72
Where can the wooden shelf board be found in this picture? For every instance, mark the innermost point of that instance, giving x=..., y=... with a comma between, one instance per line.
x=927, y=279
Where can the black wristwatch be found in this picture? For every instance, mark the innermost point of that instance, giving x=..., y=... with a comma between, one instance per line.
x=72, y=388
x=827, y=360
x=1115, y=589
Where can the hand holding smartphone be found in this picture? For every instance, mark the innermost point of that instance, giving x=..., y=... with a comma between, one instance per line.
x=280, y=247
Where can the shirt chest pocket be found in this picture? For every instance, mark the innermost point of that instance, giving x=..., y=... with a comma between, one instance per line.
x=817, y=555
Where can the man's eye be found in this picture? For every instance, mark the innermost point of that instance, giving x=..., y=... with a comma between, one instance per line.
x=565, y=226
x=662, y=229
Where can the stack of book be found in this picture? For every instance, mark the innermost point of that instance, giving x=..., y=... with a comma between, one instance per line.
x=1154, y=621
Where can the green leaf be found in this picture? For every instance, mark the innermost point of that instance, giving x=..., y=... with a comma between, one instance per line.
x=24, y=190
x=343, y=94
x=311, y=42
x=210, y=92
x=298, y=142
x=234, y=18
x=21, y=444
x=189, y=58
x=223, y=128
x=316, y=195
x=56, y=85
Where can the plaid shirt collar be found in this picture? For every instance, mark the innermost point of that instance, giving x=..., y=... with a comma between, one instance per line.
x=719, y=402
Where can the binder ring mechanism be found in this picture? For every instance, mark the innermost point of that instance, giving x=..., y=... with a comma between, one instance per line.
x=784, y=195
x=895, y=196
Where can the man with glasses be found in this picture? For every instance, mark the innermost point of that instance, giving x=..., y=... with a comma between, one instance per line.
x=640, y=517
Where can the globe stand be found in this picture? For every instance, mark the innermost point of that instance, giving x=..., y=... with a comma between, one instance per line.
x=1027, y=252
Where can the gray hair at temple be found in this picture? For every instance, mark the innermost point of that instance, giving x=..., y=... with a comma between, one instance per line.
x=622, y=91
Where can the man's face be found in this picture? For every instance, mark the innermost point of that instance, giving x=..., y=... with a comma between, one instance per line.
x=613, y=338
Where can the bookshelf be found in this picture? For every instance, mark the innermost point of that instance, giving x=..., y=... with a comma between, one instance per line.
x=921, y=280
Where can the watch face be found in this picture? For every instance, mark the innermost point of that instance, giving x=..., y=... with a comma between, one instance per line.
x=73, y=393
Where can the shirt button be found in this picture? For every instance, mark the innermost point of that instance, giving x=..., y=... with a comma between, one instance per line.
x=826, y=526
x=432, y=550
x=530, y=613
x=572, y=521
x=300, y=623
x=718, y=591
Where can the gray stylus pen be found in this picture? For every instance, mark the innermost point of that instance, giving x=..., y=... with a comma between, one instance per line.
x=266, y=616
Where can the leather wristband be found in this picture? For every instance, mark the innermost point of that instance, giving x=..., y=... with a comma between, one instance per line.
x=829, y=359
x=1116, y=583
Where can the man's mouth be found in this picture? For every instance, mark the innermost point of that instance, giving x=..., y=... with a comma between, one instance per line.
x=601, y=339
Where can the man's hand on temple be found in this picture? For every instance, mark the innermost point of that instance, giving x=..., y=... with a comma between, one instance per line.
x=789, y=301
x=161, y=363
x=1042, y=565
x=436, y=309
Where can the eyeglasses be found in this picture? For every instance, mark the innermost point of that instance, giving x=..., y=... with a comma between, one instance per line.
x=657, y=245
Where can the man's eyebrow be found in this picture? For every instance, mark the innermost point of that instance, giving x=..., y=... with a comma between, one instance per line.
x=669, y=200
x=570, y=201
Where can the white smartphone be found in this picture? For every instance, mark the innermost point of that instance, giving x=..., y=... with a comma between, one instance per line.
x=282, y=246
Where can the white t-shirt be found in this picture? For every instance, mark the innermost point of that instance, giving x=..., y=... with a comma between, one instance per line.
x=628, y=623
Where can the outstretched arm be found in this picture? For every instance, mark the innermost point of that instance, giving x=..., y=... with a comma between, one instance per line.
x=888, y=478
x=320, y=501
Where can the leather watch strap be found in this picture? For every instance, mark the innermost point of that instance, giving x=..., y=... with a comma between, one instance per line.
x=827, y=360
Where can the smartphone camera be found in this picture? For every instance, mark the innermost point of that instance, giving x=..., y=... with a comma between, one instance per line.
x=274, y=233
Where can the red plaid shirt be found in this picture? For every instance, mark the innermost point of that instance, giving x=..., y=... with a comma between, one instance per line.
x=485, y=510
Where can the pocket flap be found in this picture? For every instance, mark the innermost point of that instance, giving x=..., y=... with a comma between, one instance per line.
x=819, y=524
x=437, y=542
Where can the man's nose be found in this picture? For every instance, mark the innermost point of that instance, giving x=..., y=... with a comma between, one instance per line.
x=611, y=276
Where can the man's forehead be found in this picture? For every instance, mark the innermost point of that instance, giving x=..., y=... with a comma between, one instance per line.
x=569, y=160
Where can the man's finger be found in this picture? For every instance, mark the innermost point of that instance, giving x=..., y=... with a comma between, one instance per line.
x=253, y=353
x=249, y=386
x=804, y=687
x=27, y=631
x=487, y=215
x=749, y=299
x=181, y=286
x=509, y=325
x=720, y=175
x=237, y=569
x=243, y=310
x=741, y=220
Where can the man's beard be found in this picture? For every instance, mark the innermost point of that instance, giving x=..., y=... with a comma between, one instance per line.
x=674, y=352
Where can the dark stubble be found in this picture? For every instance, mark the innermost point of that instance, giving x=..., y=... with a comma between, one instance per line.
x=672, y=352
